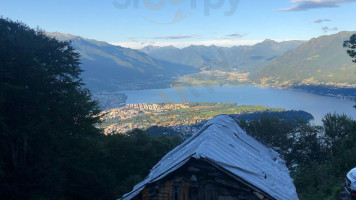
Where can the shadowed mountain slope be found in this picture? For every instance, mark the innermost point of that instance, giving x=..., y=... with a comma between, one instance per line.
x=109, y=67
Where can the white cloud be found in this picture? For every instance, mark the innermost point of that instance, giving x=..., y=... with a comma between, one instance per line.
x=303, y=5
x=237, y=35
x=175, y=37
x=327, y=29
x=223, y=43
x=318, y=21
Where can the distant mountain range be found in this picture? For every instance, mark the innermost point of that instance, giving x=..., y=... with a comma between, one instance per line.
x=238, y=58
x=111, y=68
x=321, y=60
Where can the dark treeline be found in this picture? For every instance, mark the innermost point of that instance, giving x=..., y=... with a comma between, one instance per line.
x=291, y=116
x=49, y=146
x=318, y=156
x=345, y=92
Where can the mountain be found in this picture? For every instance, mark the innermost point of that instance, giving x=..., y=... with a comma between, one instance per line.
x=321, y=60
x=196, y=56
x=254, y=58
x=108, y=67
x=241, y=58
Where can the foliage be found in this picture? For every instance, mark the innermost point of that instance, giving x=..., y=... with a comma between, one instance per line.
x=132, y=155
x=323, y=178
x=318, y=156
x=49, y=146
x=42, y=104
x=351, y=45
x=270, y=130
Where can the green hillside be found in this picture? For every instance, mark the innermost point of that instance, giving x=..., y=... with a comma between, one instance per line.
x=254, y=58
x=321, y=60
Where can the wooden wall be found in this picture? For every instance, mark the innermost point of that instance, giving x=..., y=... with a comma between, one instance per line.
x=198, y=180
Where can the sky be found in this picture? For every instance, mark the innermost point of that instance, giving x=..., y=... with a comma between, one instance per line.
x=138, y=23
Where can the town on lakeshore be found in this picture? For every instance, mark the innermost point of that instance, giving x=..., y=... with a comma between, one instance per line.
x=181, y=117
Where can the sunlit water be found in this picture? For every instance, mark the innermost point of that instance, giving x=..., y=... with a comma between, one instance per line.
x=317, y=105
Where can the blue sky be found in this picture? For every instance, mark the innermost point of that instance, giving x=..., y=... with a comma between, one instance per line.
x=136, y=23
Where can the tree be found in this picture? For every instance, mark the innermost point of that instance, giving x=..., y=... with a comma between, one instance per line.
x=270, y=130
x=44, y=109
x=323, y=175
x=307, y=148
x=351, y=45
x=337, y=127
x=49, y=145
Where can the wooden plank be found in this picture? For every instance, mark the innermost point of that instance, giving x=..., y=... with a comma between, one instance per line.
x=201, y=192
x=168, y=188
x=193, y=193
x=178, y=191
x=207, y=192
x=174, y=192
x=185, y=190
x=163, y=193
x=145, y=194
x=214, y=193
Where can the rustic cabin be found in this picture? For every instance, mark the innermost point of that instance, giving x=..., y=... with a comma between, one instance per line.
x=219, y=162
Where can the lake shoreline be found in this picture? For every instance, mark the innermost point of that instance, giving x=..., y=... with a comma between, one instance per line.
x=287, y=98
x=348, y=93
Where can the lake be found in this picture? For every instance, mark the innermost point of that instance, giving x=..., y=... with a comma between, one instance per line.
x=317, y=105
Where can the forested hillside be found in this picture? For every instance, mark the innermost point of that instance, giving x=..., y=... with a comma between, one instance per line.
x=321, y=60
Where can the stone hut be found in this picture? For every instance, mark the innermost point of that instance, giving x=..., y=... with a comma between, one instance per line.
x=219, y=162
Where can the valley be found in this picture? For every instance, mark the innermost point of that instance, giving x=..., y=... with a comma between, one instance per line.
x=307, y=65
x=182, y=118
x=319, y=66
x=212, y=78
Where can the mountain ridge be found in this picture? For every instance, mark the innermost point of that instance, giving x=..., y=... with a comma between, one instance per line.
x=241, y=58
x=320, y=61
x=111, y=68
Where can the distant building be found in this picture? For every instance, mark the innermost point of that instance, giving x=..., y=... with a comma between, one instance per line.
x=219, y=162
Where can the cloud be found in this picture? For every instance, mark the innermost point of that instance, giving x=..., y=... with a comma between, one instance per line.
x=318, y=21
x=231, y=36
x=303, y=5
x=175, y=37
x=180, y=44
x=133, y=39
x=327, y=29
x=236, y=35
